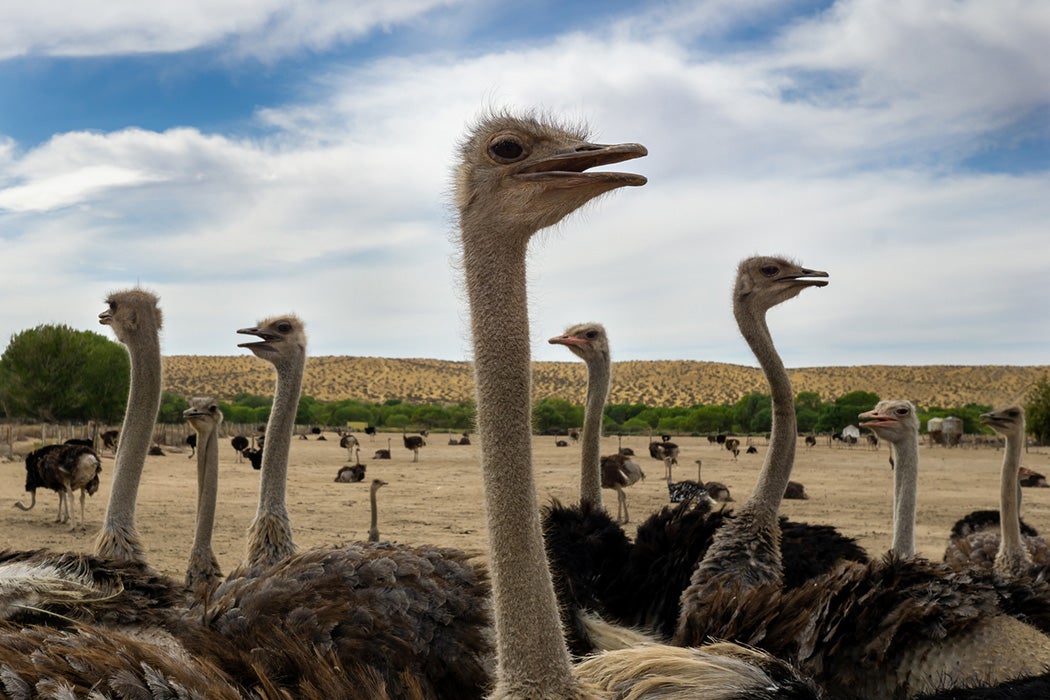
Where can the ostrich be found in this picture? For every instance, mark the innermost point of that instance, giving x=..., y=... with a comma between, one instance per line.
x=752, y=450
x=351, y=474
x=373, y=530
x=240, y=444
x=348, y=442
x=1029, y=478
x=795, y=490
x=370, y=430
x=691, y=490
x=282, y=342
x=619, y=472
x=63, y=469
x=109, y=440
x=191, y=440
x=893, y=627
x=516, y=176
x=381, y=453
x=665, y=451
x=254, y=456
x=136, y=321
x=465, y=439
x=203, y=572
x=1006, y=550
x=423, y=603
x=414, y=443
x=811, y=441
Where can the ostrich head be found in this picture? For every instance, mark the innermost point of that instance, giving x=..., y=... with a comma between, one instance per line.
x=587, y=341
x=762, y=282
x=283, y=339
x=203, y=414
x=376, y=484
x=528, y=173
x=1008, y=421
x=894, y=421
x=132, y=313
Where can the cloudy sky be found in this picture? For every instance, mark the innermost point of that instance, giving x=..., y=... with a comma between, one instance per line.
x=244, y=159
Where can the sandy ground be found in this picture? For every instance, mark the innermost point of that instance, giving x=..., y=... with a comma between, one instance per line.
x=438, y=500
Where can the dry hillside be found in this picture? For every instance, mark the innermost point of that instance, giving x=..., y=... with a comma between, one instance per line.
x=656, y=383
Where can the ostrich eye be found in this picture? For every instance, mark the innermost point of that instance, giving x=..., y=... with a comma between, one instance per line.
x=1012, y=413
x=284, y=327
x=591, y=335
x=769, y=270
x=213, y=408
x=506, y=149
x=901, y=411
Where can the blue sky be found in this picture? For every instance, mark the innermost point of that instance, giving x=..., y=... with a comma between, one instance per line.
x=247, y=159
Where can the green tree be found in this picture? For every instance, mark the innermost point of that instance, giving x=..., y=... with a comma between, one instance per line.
x=1037, y=410
x=56, y=373
x=171, y=408
x=753, y=413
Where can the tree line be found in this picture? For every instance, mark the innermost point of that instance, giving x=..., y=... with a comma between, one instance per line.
x=53, y=373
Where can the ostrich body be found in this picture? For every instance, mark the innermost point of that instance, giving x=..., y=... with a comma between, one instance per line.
x=349, y=442
x=239, y=444
x=64, y=469
x=413, y=617
x=679, y=491
x=414, y=443
x=516, y=176
x=136, y=321
x=373, y=530
x=283, y=344
x=619, y=472
x=203, y=572
x=381, y=453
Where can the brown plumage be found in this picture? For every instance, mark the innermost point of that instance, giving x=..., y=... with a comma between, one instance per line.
x=64, y=469
x=619, y=472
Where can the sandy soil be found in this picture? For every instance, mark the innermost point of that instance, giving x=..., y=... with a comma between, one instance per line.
x=438, y=500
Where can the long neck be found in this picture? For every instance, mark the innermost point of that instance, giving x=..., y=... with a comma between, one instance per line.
x=598, y=377
x=905, y=491
x=270, y=534
x=531, y=651
x=119, y=538
x=373, y=531
x=780, y=457
x=207, y=493
x=1012, y=558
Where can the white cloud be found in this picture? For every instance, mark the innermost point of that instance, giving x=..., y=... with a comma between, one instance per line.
x=341, y=213
x=265, y=29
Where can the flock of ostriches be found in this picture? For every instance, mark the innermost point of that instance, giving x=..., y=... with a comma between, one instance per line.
x=707, y=601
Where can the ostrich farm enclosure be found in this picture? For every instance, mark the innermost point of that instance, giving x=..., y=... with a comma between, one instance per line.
x=438, y=499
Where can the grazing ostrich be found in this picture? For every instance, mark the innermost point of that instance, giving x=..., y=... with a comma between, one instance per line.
x=203, y=572
x=373, y=530
x=240, y=444
x=422, y=603
x=896, y=627
x=63, y=469
x=136, y=321
x=414, y=443
x=516, y=176
x=381, y=453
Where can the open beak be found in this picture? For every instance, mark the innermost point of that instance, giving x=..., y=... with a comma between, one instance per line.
x=802, y=278
x=569, y=169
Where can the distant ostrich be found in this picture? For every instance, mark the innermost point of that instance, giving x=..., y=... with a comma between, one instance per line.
x=373, y=530
x=254, y=455
x=381, y=453
x=109, y=440
x=665, y=451
x=752, y=450
x=620, y=449
x=687, y=490
x=191, y=440
x=240, y=444
x=811, y=441
x=574, y=434
x=1032, y=479
x=560, y=443
x=873, y=441
x=350, y=474
x=63, y=469
x=733, y=445
x=465, y=440
x=619, y=472
x=414, y=443
x=349, y=442
x=796, y=491
x=371, y=430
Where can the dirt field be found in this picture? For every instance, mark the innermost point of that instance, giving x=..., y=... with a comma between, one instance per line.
x=438, y=499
